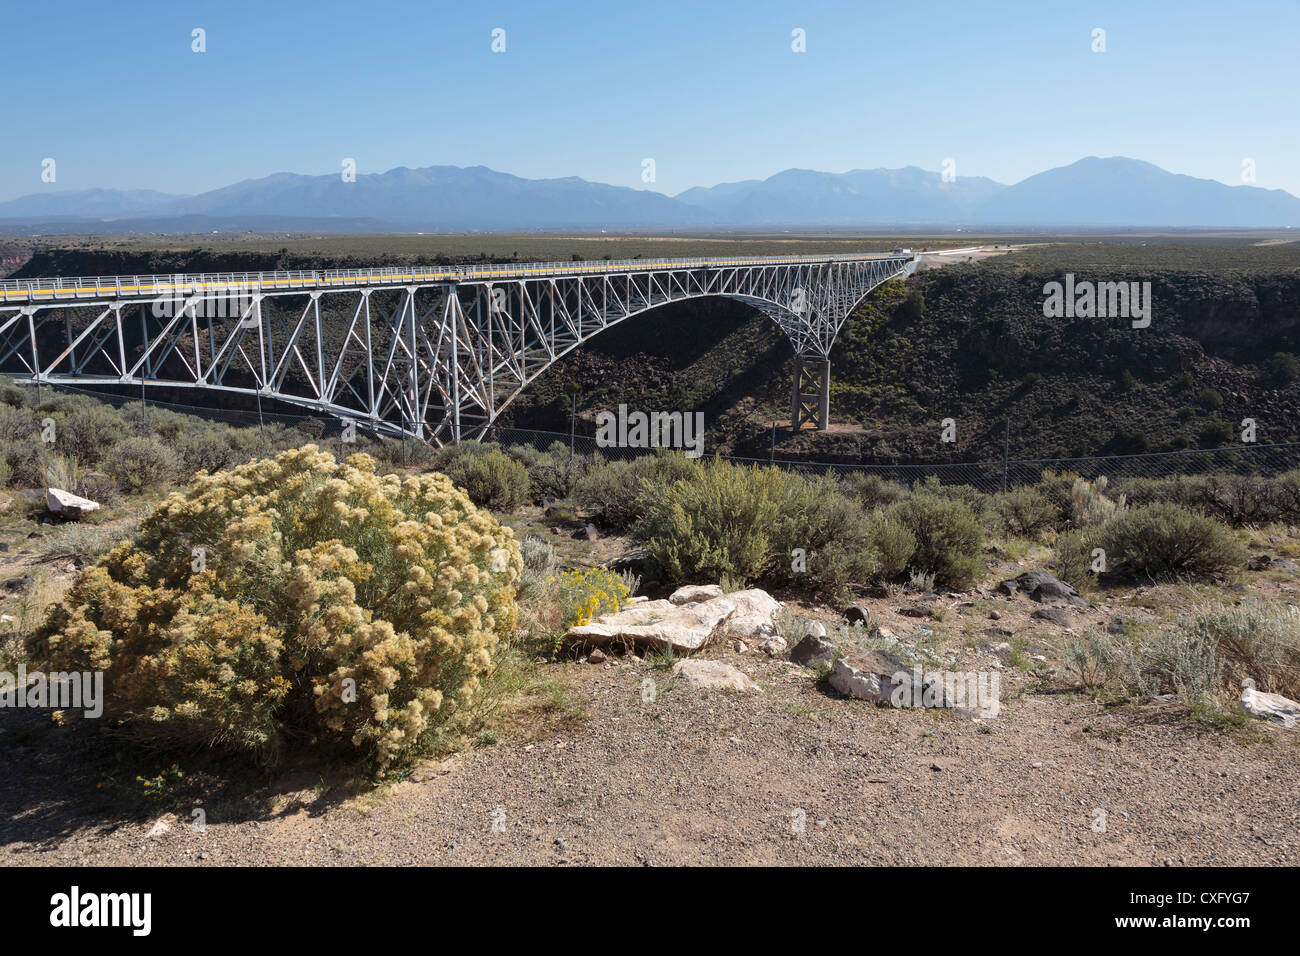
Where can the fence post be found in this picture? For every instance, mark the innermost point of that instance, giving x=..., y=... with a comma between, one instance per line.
x=771, y=457
x=573, y=422
x=1006, y=456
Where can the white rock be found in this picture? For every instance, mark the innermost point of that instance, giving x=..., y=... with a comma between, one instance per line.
x=864, y=685
x=713, y=675
x=68, y=505
x=755, y=616
x=1275, y=707
x=659, y=624
x=774, y=646
x=694, y=593
x=816, y=629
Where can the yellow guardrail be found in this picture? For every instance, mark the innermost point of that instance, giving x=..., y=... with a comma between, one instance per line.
x=32, y=290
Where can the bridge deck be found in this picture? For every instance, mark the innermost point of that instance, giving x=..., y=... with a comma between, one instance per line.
x=23, y=291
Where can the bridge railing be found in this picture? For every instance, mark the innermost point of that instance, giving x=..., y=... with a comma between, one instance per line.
x=19, y=291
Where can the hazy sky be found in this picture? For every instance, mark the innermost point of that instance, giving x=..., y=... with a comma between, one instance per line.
x=711, y=91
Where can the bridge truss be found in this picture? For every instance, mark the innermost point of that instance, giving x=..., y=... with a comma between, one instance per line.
x=433, y=353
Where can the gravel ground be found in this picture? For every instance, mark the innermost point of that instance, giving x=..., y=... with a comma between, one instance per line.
x=718, y=778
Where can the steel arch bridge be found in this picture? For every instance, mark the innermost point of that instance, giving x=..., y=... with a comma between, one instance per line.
x=436, y=353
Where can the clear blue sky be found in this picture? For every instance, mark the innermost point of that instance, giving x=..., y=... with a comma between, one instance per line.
x=711, y=91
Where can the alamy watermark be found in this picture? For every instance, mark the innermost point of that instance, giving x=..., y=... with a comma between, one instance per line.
x=1101, y=300
x=962, y=690
x=624, y=429
x=62, y=690
x=212, y=300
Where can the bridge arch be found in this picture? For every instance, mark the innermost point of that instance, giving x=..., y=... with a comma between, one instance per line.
x=434, y=352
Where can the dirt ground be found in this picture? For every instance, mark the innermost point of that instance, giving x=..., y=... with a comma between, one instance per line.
x=792, y=775
x=583, y=770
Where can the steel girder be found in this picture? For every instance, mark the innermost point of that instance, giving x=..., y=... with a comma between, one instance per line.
x=437, y=360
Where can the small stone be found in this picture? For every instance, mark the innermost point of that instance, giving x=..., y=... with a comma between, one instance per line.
x=857, y=614
x=596, y=657
x=67, y=505
x=713, y=675
x=813, y=651
x=695, y=593
x=1053, y=615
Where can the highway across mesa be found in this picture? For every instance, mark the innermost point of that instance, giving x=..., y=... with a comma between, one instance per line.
x=18, y=291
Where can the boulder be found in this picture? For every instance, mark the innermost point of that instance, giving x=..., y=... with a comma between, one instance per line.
x=813, y=651
x=756, y=613
x=1042, y=587
x=1002, y=650
x=659, y=624
x=816, y=628
x=857, y=614
x=695, y=593
x=714, y=675
x=690, y=618
x=872, y=679
x=67, y=505
x=636, y=561
x=558, y=507
x=1053, y=615
x=1275, y=707
x=774, y=646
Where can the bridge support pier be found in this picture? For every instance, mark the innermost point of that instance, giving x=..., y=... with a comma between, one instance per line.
x=810, y=401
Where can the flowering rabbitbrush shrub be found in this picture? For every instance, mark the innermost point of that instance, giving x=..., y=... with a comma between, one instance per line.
x=335, y=606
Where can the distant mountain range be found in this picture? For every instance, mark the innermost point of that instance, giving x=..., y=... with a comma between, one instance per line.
x=1091, y=193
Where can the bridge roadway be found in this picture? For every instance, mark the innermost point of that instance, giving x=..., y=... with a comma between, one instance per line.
x=431, y=351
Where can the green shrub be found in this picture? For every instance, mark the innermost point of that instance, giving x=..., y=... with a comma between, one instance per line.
x=333, y=605
x=871, y=490
x=1209, y=399
x=1100, y=662
x=538, y=568
x=720, y=523
x=831, y=530
x=26, y=459
x=551, y=473
x=974, y=499
x=893, y=543
x=11, y=394
x=947, y=535
x=206, y=450
x=1214, y=650
x=89, y=433
x=1024, y=512
x=1165, y=539
x=1072, y=559
x=141, y=464
x=1058, y=489
x=490, y=477
x=1282, y=369
x=18, y=423
x=615, y=490
x=1090, y=505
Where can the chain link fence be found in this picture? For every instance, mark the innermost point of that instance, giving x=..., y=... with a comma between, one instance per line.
x=986, y=476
